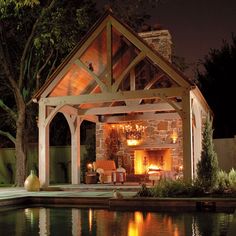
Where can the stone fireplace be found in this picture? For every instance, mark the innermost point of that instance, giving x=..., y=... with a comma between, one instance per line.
x=156, y=148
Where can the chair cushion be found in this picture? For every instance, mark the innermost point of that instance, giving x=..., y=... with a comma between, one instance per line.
x=106, y=165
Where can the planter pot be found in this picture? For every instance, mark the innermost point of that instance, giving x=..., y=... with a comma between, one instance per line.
x=32, y=183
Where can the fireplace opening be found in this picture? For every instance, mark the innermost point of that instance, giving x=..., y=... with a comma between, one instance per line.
x=152, y=161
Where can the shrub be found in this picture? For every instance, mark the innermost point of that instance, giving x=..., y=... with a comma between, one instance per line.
x=176, y=188
x=144, y=192
x=223, y=181
x=207, y=167
x=232, y=179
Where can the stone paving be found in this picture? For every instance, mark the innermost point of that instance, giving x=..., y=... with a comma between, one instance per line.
x=83, y=190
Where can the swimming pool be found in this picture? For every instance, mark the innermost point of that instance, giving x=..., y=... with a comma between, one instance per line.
x=103, y=222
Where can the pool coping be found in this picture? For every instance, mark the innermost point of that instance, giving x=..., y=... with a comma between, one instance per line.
x=153, y=204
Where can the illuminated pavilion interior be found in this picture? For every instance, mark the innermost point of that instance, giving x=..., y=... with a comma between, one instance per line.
x=137, y=98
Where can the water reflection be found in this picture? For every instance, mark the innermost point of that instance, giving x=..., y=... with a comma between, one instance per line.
x=100, y=222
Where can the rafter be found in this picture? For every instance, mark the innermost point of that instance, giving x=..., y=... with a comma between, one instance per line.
x=152, y=82
x=94, y=76
x=109, y=55
x=136, y=60
x=64, y=67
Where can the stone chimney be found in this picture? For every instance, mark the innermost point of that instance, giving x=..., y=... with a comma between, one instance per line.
x=160, y=40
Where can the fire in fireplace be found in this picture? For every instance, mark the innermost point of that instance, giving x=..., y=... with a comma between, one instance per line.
x=152, y=161
x=153, y=169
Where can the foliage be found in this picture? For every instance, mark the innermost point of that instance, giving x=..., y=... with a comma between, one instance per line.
x=34, y=38
x=144, y=192
x=232, y=179
x=179, y=188
x=207, y=167
x=176, y=188
x=223, y=181
x=217, y=83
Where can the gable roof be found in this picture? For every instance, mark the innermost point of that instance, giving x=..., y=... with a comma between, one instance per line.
x=107, y=32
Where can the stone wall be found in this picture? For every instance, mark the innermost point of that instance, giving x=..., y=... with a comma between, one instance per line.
x=160, y=40
x=111, y=142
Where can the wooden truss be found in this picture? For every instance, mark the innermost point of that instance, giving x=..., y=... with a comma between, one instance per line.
x=113, y=71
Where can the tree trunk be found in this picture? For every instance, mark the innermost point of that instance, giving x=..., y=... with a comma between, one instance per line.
x=20, y=150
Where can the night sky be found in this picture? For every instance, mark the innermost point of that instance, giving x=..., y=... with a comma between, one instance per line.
x=195, y=25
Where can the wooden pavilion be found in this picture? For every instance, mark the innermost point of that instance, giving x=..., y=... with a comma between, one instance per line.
x=102, y=77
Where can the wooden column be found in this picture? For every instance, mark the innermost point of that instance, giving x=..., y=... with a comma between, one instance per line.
x=75, y=152
x=187, y=136
x=43, y=146
x=197, y=130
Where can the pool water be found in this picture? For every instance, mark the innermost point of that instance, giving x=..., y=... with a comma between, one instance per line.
x=102, y=222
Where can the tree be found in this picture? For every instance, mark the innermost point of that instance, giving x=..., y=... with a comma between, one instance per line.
x=35, y=36
x=207, y=167
x=217, y=83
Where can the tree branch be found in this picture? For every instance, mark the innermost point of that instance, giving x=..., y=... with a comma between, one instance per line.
x=29, y=42
x=8, y=110
x=41, y=69
x=8, y=135
x=53, y=65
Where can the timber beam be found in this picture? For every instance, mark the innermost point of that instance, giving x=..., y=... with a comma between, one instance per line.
x=111, y=97
x=145, y=116
x=162, y=106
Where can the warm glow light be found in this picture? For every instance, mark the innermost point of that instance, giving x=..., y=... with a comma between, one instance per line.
x=135, y=227
x=133, y=142
x=132, y=229
x=153, y=169
x=90, y=219
x=174, y=137
x=139, y=168
x=176, y=232
x=90, y=166
x=138, y=217
x=133, y=133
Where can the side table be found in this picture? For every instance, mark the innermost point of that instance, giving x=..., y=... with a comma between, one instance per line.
x=91, y=178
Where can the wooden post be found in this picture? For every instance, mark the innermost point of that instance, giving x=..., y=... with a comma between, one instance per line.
x=75, y=152
x=187, y=136
x=43, y=146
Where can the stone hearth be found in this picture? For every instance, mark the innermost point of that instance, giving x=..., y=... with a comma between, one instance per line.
x=111, y=144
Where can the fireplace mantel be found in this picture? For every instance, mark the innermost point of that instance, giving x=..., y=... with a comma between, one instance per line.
x=152, y=147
